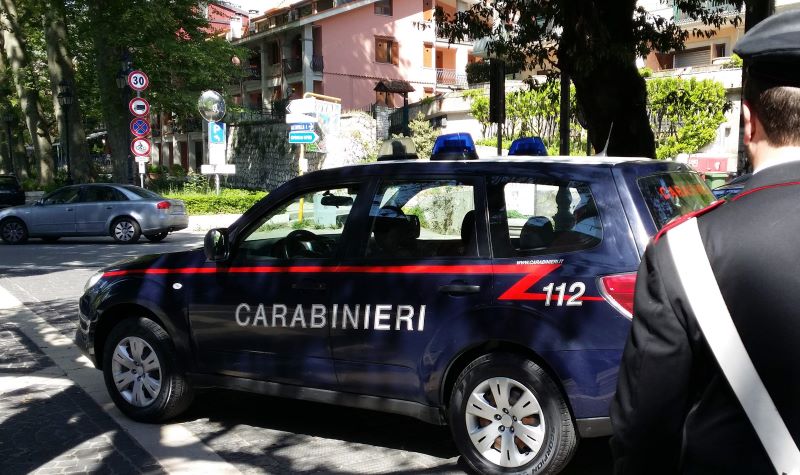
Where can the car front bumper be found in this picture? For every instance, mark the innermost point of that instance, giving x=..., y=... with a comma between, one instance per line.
x=84, y=335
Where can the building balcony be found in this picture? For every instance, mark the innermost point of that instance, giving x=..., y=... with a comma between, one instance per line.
x=251, y=72
x=723, y=7
x=295, y=65
x=450, y=77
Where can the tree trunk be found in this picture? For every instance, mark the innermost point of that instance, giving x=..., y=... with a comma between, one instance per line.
x=599, y=55
x=113, y=100
x=60, y=67
x=28, y=95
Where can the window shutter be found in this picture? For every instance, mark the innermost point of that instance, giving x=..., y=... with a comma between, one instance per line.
x=379, y=47
x=395, y=53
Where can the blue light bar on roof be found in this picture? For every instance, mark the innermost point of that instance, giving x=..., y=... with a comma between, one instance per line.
x=528, y=146
x=457, y=146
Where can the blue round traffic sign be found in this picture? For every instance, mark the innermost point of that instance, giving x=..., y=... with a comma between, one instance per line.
x=140, y=127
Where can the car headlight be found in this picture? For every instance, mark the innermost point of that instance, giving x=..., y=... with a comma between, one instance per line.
x=92, y=281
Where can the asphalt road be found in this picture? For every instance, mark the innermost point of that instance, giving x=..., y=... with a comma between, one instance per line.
x=253, y=433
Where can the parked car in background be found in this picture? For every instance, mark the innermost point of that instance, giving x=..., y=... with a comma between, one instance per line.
x=732, y=188
x=124, y=212
x=11, y=192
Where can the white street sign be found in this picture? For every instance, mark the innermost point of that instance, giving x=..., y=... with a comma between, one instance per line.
x=141, y=168
x=301, y=106
x=138, y=80
x=293, y=118
x=216, y=153
x=140, y=147
x=224, y=169
x=141, y=159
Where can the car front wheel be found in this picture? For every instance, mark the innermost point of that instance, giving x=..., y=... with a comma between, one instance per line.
x=507, y=416
x=141, y=373
x=13, y=231
x=126, y=230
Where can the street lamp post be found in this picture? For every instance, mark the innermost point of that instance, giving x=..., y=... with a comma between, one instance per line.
x=238, y=63
x=65, y=100
x=122, y=84
x=9, y=118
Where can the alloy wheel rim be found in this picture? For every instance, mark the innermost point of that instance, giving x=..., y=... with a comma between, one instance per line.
x=136, y=371
x=13, y=231
x=505, y=422
x=123, y=231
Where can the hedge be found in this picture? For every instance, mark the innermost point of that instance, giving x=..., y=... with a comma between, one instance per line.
x=229, y=201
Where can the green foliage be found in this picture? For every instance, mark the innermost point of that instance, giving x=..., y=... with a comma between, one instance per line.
x=735, y=62
x=645, y=72
x=685, y=114
x=423, y=136
x=479, y=107
x=177, y=171
x=229, y=201
x=477, y=72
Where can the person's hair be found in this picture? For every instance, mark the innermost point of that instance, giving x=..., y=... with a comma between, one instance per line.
x=778, y=110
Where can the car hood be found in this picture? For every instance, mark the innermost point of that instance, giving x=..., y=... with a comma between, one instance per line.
x=15, y=210
x=172, y=260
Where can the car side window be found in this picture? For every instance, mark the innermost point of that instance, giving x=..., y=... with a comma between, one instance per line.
x=417, y=219
x=529, y=217
x=66, y=195
x=101, y=193
x=308, y=226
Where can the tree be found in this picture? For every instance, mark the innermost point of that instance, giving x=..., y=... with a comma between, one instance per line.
x=27, y=87
x=685, y=114
x=423, y=136
x=596, y=43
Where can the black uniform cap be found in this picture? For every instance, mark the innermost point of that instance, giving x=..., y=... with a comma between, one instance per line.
x=771, y=50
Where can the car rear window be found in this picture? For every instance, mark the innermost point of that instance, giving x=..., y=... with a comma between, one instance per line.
x=670, y=195
x=8, y=183
x=142, y=193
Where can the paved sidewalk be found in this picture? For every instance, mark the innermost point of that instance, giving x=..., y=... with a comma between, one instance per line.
x=49, y=426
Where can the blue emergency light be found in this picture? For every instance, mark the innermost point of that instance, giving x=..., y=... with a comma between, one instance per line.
x=528, y=146
x=457, y=146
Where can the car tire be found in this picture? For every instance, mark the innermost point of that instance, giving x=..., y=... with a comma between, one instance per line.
x=141, y=372
x=125, y=230
x=51, y=238
x=507, y=416
x=13, y=231
x=156, y=237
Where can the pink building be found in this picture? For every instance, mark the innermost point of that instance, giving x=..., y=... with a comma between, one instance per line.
x=345, y=48
x=228, y=19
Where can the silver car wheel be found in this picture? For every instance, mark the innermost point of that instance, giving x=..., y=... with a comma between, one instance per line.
x=505, y=422
x=124, y=230
x=13, y=231
x=136, y=371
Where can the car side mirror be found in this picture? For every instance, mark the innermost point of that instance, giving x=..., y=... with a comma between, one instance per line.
x=217, y=245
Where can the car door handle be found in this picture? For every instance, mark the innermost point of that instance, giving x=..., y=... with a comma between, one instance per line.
x=309, y=285
x=69, y=209
x=459, y=289
x=109, y=207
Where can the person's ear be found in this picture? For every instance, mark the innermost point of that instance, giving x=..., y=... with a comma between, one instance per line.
x=750, y=123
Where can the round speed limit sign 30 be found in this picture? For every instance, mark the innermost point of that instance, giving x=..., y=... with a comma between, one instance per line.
x=138, y=80
x=140, y=147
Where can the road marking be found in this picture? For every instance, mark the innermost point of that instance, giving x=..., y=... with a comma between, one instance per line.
x=174, y=447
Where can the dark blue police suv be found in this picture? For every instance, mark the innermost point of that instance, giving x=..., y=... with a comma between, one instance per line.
x=491, y=295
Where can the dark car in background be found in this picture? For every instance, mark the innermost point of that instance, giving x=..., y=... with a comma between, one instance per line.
x=124, y=212
x=492, y=295
x=11, y=192
x=732, y=188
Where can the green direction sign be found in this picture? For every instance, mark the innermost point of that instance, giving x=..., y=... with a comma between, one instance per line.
x=303, y=137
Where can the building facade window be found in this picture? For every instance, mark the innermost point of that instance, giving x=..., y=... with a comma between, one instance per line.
x=383, y=7
x=386, y=50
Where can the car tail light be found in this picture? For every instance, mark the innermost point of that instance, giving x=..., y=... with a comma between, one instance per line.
x=618, y=290
x=163, y=205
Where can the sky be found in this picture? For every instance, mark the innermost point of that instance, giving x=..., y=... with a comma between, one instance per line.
x=260, y=5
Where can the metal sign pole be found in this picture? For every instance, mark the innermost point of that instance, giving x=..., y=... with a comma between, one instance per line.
x=300, y=172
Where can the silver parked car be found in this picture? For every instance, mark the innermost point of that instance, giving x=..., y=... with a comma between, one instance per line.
x=124, y=212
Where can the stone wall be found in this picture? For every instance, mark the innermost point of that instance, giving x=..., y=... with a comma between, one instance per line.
x=265, y=160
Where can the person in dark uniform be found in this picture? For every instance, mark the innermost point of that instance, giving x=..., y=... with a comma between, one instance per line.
x=674, y=410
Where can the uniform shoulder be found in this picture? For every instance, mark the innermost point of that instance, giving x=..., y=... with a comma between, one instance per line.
x=686, y=217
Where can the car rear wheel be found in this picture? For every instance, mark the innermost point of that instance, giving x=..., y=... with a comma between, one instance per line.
x=126, y=230
x=141, y=373
x=13, y=231
x=156, y=237
x=507, y=416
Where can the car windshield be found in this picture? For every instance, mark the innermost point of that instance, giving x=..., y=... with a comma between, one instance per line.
x=142, y=193
x=670, y=195
x=8, y=182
